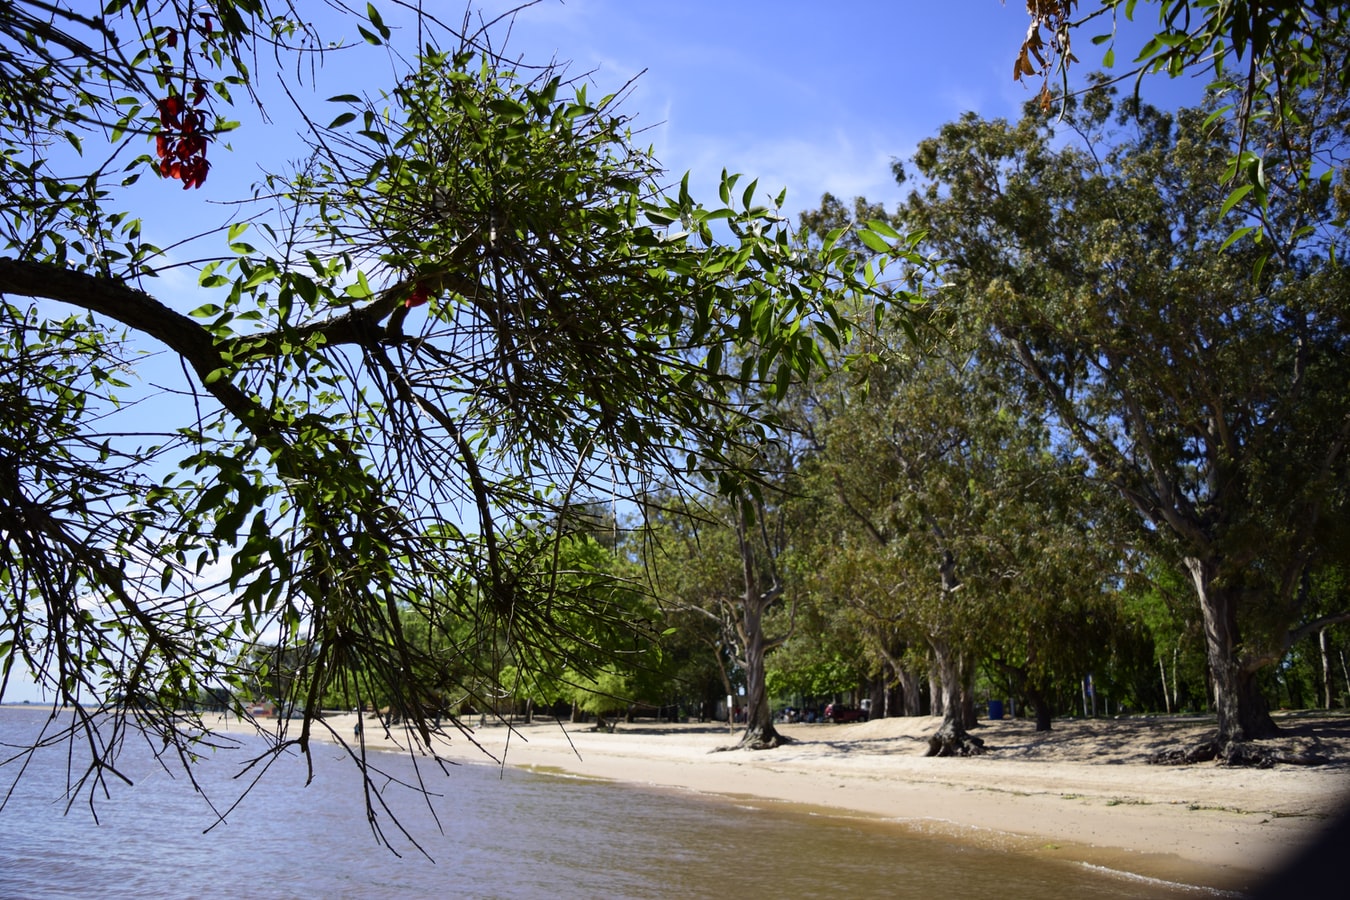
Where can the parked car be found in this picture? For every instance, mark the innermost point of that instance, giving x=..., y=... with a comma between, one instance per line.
x=839, y=713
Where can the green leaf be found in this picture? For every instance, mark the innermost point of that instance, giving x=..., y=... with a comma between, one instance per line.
x=342, y=120
x=1234, y=198
x=884, y=229
x=362, y=289
x=1236, y=236
x=1216, y=115
x=374, y=15
x=873, y=241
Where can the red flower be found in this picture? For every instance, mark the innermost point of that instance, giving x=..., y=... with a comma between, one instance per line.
x=194, y=173
x=169, y=110
x=417, y=296
x=180, y=146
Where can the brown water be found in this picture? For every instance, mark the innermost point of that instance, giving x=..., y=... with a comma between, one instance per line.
x=489, y=833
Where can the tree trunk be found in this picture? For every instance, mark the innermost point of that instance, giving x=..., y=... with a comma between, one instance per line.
x=755, y=601
x=1345, y=671
x=967, y=671
x=759, y=731
x=951, y=738
x=909, y=697
x=1326, y=669
x=1176, y=688
x=1242, y=711
x=1044, y=712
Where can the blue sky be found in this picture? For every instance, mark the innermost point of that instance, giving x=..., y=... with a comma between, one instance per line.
x=799, y=95
x=802, y=95
x=809, y=96
x=805, y=96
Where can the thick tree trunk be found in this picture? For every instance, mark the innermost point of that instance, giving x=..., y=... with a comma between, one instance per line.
x=1044, y=712
x=759, y=731
x=1242, y=711
x=952, y=738
x=909, y=696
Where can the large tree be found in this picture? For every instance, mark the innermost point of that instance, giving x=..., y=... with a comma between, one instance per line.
x=1214, y=403
x=472, y=300
x=956, y=522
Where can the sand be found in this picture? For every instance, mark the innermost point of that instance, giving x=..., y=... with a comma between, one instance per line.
x=1082, y=791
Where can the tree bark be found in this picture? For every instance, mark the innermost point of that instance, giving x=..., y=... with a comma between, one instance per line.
x=910, y=696
x=1044, y=711
x=760, y=733
x=1326, y=669
x=951, y=739
x=1242, y=711
x=967, y=672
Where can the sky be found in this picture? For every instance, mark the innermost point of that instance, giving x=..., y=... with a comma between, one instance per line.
x=804, y=96
x=801, y=95
x=808, y=96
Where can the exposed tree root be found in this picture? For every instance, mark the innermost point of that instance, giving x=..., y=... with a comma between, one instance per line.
x=1236, y=753
x=753, y=740
x=953, y=741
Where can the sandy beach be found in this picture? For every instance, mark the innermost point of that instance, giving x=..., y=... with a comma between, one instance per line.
x=1082, y=791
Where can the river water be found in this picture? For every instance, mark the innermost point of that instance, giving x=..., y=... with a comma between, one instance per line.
x=489, y=833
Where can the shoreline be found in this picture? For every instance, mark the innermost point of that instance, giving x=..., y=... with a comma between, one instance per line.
x=1080, y=793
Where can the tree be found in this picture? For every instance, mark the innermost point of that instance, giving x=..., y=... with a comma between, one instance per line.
x=895, y=459
x=1279, y=61
x=958, y=526
x=724, y=562
x=1213, y=403
x=472, y=301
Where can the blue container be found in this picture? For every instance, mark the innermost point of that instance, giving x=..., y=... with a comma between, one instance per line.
x=995, y=709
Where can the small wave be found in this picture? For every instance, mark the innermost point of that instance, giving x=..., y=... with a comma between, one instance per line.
x=1160, y=882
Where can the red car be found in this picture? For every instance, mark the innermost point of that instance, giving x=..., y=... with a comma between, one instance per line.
x=839, y=713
